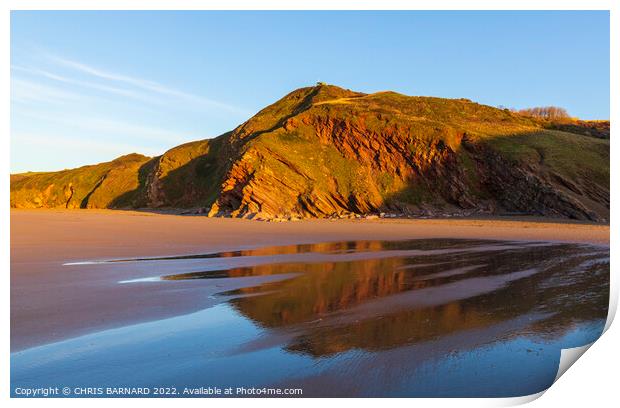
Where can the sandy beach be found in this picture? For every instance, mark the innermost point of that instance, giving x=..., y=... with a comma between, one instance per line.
x=51, y=301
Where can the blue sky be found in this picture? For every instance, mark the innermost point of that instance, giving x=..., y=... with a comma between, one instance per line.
x=87, y=87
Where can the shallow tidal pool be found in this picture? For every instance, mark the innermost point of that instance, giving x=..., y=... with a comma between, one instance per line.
x=427, y=318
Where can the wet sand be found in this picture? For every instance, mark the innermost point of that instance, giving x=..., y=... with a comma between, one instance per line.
x=51, y=301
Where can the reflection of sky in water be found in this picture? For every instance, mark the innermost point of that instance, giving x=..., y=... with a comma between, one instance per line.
x=455, y=318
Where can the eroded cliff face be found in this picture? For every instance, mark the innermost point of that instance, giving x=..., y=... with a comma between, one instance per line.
x=346, y=169
x=329, y=152
x=521, y=188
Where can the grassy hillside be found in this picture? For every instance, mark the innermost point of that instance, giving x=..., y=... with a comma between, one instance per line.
x=326, y=151
x=188, y=175
x=341, y=152
x=95, y=186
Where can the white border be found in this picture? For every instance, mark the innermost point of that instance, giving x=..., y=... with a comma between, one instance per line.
x=592, y=381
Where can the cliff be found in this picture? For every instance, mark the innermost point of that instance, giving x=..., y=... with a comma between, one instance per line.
x=325, y=151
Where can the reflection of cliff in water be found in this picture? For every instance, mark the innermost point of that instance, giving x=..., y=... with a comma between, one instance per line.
x=452, y=287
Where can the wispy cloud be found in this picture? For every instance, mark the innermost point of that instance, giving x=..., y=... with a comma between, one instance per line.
x=144, y=84
x=23, y=90
x=85, y=84
x=79, y=144
x=100, y=125
x=66, y=112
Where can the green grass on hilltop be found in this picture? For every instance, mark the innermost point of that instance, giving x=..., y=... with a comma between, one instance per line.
x=332, y=145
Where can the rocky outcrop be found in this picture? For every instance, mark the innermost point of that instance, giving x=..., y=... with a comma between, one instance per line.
x=521, y=188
